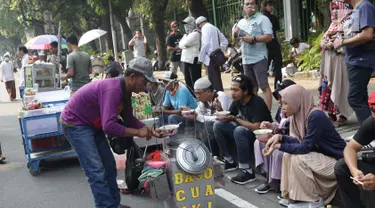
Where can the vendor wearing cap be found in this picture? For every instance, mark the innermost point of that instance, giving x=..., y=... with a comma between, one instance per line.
x=363, y=171
x=177, y=99
x=91, y=113
x=211, y=101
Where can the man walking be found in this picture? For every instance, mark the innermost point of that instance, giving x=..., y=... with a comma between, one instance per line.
x=23, y=54
x=173, y=40
x=211, y=40
x=273, y=47
x=7, y=76
x=78, y=65
x=254, y=31
x=359, y=54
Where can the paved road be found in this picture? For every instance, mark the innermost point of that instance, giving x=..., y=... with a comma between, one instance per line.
x=63, y=183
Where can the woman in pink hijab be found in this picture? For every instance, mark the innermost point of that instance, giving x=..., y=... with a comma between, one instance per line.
x=334, y=84
x=310, y=152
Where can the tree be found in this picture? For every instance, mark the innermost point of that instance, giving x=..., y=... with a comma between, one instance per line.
x=154, y=12
x=197, y=8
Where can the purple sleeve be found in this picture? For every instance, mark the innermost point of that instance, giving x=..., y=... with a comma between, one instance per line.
x=367, y=16
x=109, y=102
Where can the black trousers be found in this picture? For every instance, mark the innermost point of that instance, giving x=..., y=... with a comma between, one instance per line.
x=1, y=152
x=359, y=77
x=276, y=56
x=350, y=193
x=192, y=73
x=214, y=75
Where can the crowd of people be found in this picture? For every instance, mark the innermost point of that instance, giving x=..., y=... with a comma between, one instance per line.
x=306, y=160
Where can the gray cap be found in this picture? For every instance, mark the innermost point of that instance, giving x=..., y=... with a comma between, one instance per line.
x=200, y=20
x=189, y=20
x=168, y=76
x=144, y=66
x=202, y=83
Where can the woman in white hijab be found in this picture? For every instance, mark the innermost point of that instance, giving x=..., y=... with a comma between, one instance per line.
x=190, y=45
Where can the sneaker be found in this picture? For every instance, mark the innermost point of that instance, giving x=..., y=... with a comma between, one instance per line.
x=230, y=166
x=263, y=189
x=285, y=202
x=316, y=204
x=244, y=177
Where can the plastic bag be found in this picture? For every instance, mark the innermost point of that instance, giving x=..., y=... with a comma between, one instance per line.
x=134, y=166
x=120, y=161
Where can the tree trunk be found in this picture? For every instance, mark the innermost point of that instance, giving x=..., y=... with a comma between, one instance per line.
x=160, y=39
x=121, y=19
x=197, y=8
x=108, y=37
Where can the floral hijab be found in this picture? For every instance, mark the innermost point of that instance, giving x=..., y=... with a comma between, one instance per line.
x=342, y=14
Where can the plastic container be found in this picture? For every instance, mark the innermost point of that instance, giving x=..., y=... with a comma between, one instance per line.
x=263, y=134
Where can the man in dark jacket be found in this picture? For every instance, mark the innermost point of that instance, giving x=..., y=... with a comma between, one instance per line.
x=273, y=47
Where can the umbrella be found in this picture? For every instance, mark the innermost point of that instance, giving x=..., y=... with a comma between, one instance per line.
x=42, y=42
x=90, y=36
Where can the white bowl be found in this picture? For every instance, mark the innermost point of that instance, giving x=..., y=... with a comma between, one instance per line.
x=169, y=129
x=263, y=134
x=185, y=112
x=150, y=122
x=222, y=114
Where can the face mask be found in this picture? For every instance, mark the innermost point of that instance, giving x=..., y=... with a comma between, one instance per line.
x=6, y=59
x=189, y=28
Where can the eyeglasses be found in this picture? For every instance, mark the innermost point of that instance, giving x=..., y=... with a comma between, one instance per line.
x=200, y=92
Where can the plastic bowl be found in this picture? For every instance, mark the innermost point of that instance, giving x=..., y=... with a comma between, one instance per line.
x=186, y=112
x=263, y=134
x=169, y=129
x=222, y=114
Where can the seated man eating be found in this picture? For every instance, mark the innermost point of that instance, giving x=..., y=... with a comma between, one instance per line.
x=177, y=98
x=211, y=101
x=247, y=112
x=361, y=171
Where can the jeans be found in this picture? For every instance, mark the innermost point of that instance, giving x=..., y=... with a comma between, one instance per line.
x=243, y=137
x=22, y=91
x=98, y=162
x=350, y=193
x=359, y=77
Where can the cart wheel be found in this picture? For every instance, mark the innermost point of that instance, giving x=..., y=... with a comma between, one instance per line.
x=35, y=172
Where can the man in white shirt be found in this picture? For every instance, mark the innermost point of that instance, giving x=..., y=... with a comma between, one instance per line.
x=23, y=54
x=298, y=48
x=211, y=40
x=210, y=102
x=139, y=44
x=7, y=76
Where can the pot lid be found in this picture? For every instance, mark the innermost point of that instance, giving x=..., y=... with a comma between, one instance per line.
x=193, y=156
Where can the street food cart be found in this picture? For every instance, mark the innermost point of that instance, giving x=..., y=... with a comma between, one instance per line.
x=39, y=117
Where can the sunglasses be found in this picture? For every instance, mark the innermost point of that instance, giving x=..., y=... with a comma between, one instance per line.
x=237, y=79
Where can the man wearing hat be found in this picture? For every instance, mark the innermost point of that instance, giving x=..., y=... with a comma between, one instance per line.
x=7, y=76
x=190, y=45
x=91, y=113
x=211, y=101
x=177, y=99
x=211, y=40
x=173, y=40
x=362, y=170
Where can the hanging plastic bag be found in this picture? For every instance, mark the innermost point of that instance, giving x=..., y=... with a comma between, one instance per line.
x=120, y=161
x=134, y=166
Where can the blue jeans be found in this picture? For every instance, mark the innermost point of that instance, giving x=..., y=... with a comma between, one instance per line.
x=359, y=77
x=98, y=162
x=22, y=91
x=243, y=137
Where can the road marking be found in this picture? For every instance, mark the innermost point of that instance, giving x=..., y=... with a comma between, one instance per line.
x=233, y=199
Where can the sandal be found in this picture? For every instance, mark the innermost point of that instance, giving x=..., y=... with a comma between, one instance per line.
x=332, y=117
x=341, y=121
x=2, y=159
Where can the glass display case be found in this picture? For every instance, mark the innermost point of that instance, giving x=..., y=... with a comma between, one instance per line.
x=42, y=75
